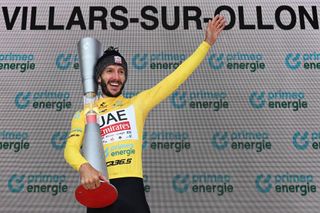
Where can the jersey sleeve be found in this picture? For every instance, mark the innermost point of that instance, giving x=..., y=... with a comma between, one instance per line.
x=151, y=97
x=72, y=149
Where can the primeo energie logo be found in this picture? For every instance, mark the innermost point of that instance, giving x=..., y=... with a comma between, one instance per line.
x=166, y=140
x=286, y=183
x=307, y=61
x=125, y=150
x=14, y=140
x=241, y=140
x=237, y=61
x=302, y=140
x=293, y=100
x=54, y=100
x=202, y=183
x=17, y=61
x=199, y=100
x=157, y=61
x=38, y=183
x=59, y=139
x=66, y=61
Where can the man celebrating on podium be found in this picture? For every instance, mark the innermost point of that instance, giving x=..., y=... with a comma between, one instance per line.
x=121, y=122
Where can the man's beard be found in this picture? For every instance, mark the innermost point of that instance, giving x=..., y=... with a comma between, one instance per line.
x=106, y=92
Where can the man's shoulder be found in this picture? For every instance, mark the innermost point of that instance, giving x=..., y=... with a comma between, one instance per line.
x=78, y=115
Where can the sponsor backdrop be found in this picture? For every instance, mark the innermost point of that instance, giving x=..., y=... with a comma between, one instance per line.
x=241, y=135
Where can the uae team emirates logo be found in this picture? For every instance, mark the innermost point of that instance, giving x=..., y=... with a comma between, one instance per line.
x=118, y=125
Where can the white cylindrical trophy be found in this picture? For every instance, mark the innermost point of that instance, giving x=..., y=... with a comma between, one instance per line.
x=89, y=50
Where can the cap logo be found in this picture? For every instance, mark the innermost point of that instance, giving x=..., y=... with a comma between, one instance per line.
x=117, y=59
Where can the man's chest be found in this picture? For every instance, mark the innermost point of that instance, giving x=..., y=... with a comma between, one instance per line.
x=117, y=124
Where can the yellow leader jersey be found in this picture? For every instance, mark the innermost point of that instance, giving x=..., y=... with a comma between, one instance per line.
x=121, y=122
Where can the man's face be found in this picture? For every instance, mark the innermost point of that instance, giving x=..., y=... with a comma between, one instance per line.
x=112, y=80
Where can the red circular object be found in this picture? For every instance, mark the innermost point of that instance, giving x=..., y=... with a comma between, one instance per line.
x=105, y=195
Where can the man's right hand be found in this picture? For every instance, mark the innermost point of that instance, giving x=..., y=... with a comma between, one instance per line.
x=90, y=177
